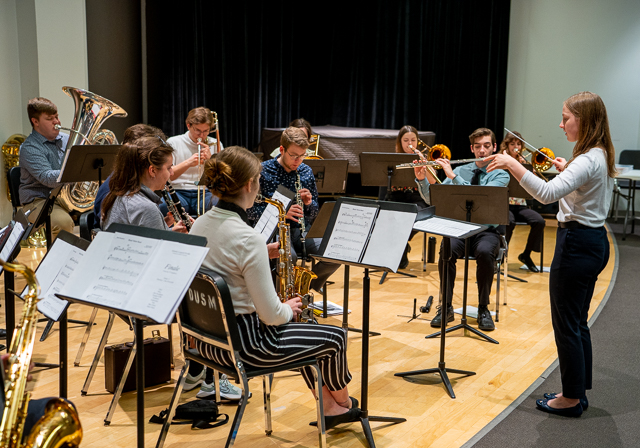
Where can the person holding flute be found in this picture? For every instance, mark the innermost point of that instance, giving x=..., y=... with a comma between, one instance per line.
x=484, y=246
x=584, y=189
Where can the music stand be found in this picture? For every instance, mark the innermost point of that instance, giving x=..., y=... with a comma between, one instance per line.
x=372, y=245
x=139, y=318
x=44, y=216
x=330, y=174
x=86, y=163
x=470, y=203
x=446, y=255
x=378, y=169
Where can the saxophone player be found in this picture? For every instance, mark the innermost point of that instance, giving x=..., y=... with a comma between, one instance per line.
x=284, y=170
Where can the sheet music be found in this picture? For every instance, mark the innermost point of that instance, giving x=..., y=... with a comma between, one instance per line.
x=445, y=227
x=50, y=305
x=12, y=241
x=136, y=274
x=269, y=219
x=389, y=239
x=350, y=233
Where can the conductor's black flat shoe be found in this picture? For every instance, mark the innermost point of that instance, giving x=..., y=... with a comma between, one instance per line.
x=331, y=421
x=575, y=411
x=583, y=401
x=526, y=259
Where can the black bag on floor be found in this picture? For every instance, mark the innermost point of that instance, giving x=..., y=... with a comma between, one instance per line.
x=200, y=413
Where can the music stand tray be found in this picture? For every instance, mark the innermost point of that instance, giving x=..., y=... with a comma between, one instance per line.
x=86, y=163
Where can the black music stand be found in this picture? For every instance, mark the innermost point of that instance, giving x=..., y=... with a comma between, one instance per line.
x=379, y=170
x=317, y=230
x=470, y=203
x=370, y=245
x=442, y=369
x=87, y=162
x=330, y=174
x=139, y=318
x=44, y=216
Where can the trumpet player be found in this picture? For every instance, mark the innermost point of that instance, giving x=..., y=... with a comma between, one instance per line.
x=192, y=150
x=41, y=157
x=484, y=245
x=519, y=211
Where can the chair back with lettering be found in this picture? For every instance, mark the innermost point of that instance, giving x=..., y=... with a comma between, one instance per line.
x=206, y=313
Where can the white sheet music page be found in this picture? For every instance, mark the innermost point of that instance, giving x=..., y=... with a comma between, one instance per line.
x=12, y=241
x=50, y=305
x=269, y=219
x=445, y=227
x=168, y=276
x=350, y=232
x=389, y=239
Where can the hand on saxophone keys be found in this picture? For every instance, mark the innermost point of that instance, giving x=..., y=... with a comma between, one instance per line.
x=273, y=249
x=296, y=305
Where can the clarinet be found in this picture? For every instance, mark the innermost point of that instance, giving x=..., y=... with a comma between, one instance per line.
x=301, y=220
x=175, y=207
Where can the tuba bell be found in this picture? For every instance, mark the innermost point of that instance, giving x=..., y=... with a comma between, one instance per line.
x=91, y=111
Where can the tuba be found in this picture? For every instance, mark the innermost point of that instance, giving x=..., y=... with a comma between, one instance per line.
x=91, y=112
x=292, y=279
x=60, y=425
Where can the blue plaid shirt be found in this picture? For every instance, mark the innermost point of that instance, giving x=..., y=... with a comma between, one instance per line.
x=40, y=163
x=272, y=175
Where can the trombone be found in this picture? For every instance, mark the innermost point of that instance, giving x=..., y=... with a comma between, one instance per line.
x=202, y=194
x=541, y=158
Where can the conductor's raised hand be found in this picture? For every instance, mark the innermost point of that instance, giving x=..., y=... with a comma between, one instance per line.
x=500, y=162
x=295, y=212
x=560, y=163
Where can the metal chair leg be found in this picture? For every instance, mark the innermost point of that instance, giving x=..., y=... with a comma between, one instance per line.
x=118, y=392
x=266, y=390
x=85, y=338
x=241, y=407
x=98, y=355
x=322, y=430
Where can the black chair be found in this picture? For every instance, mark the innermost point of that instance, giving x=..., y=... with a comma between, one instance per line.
x=14, y=188
x=213, y=321
x=627, y=157
x=87, y=224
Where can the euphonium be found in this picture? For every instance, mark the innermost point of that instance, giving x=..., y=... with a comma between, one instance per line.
x=292, y=279
x=91, y=111
x=60, y=425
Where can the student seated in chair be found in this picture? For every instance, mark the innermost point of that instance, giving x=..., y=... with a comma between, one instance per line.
x=238, y=253
x=483, y=246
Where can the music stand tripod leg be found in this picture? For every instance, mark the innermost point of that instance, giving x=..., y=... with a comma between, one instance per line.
x=441, y=369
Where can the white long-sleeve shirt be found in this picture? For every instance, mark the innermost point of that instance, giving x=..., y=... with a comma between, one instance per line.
x=238, y=253
x=583, y=190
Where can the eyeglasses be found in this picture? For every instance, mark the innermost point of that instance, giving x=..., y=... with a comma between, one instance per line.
x=296, y=158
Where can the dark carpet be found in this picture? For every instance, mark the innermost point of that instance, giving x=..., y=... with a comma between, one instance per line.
x=613, y=416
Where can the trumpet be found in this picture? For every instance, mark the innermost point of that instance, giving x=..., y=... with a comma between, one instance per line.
x=434, y=164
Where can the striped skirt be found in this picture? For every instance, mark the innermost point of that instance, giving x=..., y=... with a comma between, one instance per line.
x=265, y=346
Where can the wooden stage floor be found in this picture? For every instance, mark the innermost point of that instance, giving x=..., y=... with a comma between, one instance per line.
x=503, y=371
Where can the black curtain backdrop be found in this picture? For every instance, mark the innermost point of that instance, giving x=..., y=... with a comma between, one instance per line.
x=439, y=65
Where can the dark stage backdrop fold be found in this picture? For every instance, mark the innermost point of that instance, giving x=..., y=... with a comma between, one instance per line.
x=439, y=65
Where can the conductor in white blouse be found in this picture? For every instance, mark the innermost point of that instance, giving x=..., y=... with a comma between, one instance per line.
x=583, y=188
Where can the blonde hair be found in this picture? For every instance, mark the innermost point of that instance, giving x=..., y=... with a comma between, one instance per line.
x=230, y=170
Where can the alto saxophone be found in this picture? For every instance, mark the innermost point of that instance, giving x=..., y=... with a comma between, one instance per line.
x=60, y=425
x=292, y=279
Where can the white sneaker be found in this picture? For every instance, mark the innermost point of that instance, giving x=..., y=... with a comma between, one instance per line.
x=227, y=390
x=191, y=382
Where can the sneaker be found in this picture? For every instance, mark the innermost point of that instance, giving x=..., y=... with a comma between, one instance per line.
x=436, y=322
x=194, y=381
x=485, y=321
x=227, y=390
